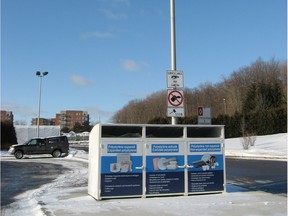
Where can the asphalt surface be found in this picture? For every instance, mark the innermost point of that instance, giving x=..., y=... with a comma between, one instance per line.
x=18, y=176
x=258, y=175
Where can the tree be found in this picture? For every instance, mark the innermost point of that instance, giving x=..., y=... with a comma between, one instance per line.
x=65, y=130
x=86, y=126
x=261, y=85
x=77, y=128
x=263, y=96
x=8, y=134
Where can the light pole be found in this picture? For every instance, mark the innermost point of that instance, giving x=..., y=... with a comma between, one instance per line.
x=173, y=44
x=38, y=73
x=225, y=107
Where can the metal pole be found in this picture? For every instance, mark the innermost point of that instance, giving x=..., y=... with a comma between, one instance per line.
x=173, y=36
x=173, y=44
x=225, y=107
x=39, y=102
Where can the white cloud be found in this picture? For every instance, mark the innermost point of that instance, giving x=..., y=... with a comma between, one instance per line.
x=97, y=34
x=21, y=113
x=97, y=114
x=19, y=109
x=80, y=81
x=110, y=14
x=130, y=65
x=125, y=2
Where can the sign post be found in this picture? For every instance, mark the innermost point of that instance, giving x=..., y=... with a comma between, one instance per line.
x=175, y=82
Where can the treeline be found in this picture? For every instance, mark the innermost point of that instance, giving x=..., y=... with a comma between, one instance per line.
x=78, y=128
x=252, y=99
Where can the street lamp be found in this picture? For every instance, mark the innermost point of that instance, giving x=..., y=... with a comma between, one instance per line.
x=225, y=106
x=38, y=73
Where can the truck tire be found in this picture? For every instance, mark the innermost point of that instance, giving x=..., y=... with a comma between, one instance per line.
x=56, y=153
x=18, y=154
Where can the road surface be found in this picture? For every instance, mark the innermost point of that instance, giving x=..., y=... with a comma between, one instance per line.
x=265, y=175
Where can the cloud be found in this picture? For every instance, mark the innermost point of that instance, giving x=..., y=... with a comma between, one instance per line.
x=97, y=34
x=111, y=14
x=20, y=112
x=130, y=65
x=115, y=9
x=80, y=81
x=97, y=114
x=16, y=108
x=115, y=2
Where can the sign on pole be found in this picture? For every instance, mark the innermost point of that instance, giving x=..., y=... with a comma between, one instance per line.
x=175, y=102
x=175, y=98
x=175, y=112
x=175, y=79
x=204, y=115
x=200, y=111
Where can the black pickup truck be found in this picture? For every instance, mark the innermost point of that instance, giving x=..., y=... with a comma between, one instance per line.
x=56, y=146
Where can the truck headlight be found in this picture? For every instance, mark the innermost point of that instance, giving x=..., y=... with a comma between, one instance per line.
x=11, y=150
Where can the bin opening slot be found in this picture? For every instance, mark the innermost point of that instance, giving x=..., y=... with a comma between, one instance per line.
x=162, y=132
x=122, y=131
x=203, y=132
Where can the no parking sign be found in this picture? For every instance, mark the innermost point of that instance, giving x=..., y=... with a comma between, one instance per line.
x=175, y=98
x=175, y=101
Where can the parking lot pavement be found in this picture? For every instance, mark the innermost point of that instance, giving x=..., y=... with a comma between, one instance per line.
x=49, y=186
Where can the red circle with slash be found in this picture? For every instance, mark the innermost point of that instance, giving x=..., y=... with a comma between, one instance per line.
x=175, y=98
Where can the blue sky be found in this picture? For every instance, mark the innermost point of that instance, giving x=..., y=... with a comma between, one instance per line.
x=102, y=54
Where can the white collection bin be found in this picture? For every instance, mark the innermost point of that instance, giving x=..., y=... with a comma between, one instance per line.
x=155, y=160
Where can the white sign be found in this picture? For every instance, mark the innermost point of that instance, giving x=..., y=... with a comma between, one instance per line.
x=175, y=79
x=175, y=112
x=204, y=115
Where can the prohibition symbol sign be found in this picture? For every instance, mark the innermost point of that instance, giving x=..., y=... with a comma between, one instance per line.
x=175, y=98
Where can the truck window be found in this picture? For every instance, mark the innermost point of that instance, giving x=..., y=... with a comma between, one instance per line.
x=32, y=142
x=54, y=140
x=36, y=142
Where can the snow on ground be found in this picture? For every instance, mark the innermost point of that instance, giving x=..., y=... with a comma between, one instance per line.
x=268, y=146
x=67, y=195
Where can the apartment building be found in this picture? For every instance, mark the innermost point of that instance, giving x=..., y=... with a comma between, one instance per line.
x=43, y=121
x=7, y=116
x=68, y=118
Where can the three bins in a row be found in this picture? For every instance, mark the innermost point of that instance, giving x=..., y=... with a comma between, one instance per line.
x=155, y=160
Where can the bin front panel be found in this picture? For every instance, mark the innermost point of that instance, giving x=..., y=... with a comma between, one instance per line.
x=205, y=167
x=163, y=175
x=119, y=176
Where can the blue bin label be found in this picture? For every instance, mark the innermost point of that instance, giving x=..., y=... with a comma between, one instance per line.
x=119, y=173
x=206, y=164
x=163, y=175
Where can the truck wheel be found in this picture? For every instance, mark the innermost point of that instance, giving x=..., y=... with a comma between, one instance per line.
x=56, y=153
x=18, y=154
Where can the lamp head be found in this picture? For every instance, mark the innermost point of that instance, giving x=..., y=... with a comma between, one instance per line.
x=45, y=73
x=38, y=73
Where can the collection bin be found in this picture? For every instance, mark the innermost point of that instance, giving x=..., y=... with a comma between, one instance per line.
x=155, y=160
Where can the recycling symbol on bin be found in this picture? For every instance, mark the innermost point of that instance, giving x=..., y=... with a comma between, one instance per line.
x=175, y=98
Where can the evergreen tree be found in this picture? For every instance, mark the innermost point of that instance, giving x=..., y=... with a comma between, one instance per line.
x=77, y=127
x=8, y=134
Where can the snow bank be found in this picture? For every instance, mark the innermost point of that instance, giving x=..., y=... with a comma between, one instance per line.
x=266, y=147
